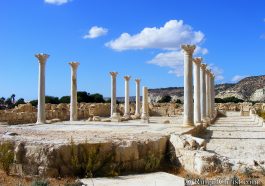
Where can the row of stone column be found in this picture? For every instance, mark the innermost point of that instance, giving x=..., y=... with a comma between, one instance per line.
x=42, y=58
x=41, y=118
x=198, y=99
x=115, y=116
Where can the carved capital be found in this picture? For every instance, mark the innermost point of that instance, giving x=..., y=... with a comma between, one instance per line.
x=189, y=49
x=42, y=57
x=127, y=78
x=113, y=74
x=203, y=66
x=137, y=80
x=74, y=64
x=197, y=60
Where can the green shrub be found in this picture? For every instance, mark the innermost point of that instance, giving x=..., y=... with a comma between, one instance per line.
x=6, y=156
x=152, y=163
x=41, y=182
x=165, y=99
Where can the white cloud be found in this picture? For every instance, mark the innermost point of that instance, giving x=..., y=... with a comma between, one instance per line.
x=237, y=78
x=174, y=60
x=57, y=2
x=95, y=32
x=217, y=71
x=169, y=37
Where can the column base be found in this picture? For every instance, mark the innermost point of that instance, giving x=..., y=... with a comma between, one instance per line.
x=127, y=116
x=137, y=116
x=40, y=122
x=145, y=119
x=116, y=117
x=191, y=124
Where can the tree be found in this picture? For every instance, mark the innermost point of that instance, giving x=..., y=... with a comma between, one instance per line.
x=97, y=98
x=65, y=99
x=34, y=102
x=165, y=99
x=83, y=96
x=52, y=100
x=178, y=101
x=20, y=101
x=8, y=103
x=13, y=98
x=2, y=100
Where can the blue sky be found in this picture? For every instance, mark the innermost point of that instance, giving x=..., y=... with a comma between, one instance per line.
x=230, y=36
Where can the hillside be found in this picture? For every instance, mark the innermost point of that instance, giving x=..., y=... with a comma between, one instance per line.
x=249, y=89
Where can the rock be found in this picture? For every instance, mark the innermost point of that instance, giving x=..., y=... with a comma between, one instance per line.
x=10, y=134
x=96, y=118
x=166, y=122
x=106, y=120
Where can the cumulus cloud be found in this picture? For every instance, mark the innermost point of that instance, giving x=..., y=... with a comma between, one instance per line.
x=57, y=2
x=95, y=32
x=237, y=78
x=217, y=71
x=174, y=60
x=169, y=37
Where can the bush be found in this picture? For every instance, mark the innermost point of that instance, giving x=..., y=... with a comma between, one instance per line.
x=52, y=100
x=65, y=99
x=34, y=103
x=41, y=182
x=165, y=99
x=228, y=100
x=20, y=101
x=6, y=156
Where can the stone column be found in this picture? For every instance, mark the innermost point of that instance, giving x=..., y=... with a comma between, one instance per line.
x=127, y=97
x=188, y=98
x=203, y=92
x=197, y=99
x=42, y=58
x=114, y=115
x=73, y=103
x=137, y=98
x=213, y=95
x=208, y=94
x=145, y=107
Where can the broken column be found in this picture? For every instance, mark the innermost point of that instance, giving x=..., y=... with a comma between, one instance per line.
x=137, y=98
x=42, y=58
x=114, y=115
x=197, y=100
x=145, y=107
x=73, y=103
x=188, y=98
x=127, y=97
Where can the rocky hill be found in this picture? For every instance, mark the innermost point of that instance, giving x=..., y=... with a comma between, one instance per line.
x=249, y=89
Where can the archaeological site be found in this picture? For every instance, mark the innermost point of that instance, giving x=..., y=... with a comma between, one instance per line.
x=206, y=128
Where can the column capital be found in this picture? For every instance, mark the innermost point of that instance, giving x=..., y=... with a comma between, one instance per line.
x=137, y=80
x=127, y=78
x=203, y=66
x=42, y=57
x=74, y=64
x=197, y=60
x=113, y=74
x=189, y=49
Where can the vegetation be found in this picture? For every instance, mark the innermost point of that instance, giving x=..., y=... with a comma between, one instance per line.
x=228, y=100
x=165, y=99
x=40, y=182
x=261, y=113
x=152, y=163
x=6, y=156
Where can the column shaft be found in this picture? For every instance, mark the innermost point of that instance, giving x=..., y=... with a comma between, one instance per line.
x=208, y=95
x=137, y=99
x=188, y=98
x=41, y=118
x=197, y=99
x=145, y=107
x=127, y=97
x=203, y=92
x=73, y=103
x=113, y=93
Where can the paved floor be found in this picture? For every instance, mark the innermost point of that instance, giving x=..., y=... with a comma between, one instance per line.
x=237, y=137
x=62, y=132
x=152, y=179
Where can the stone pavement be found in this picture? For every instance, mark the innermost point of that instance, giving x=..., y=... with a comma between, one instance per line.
x=237, y=137
x=152, y=179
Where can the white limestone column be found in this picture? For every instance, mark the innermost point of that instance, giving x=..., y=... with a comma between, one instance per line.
x=213, y=94
x=203, y=92
x=145, y=114
x=127, y=97
x=73, y=103
x=197, y=100
x=188, y=98
x=113, y=93
x=208, y=94
x=42, y=58
x=137, y=98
